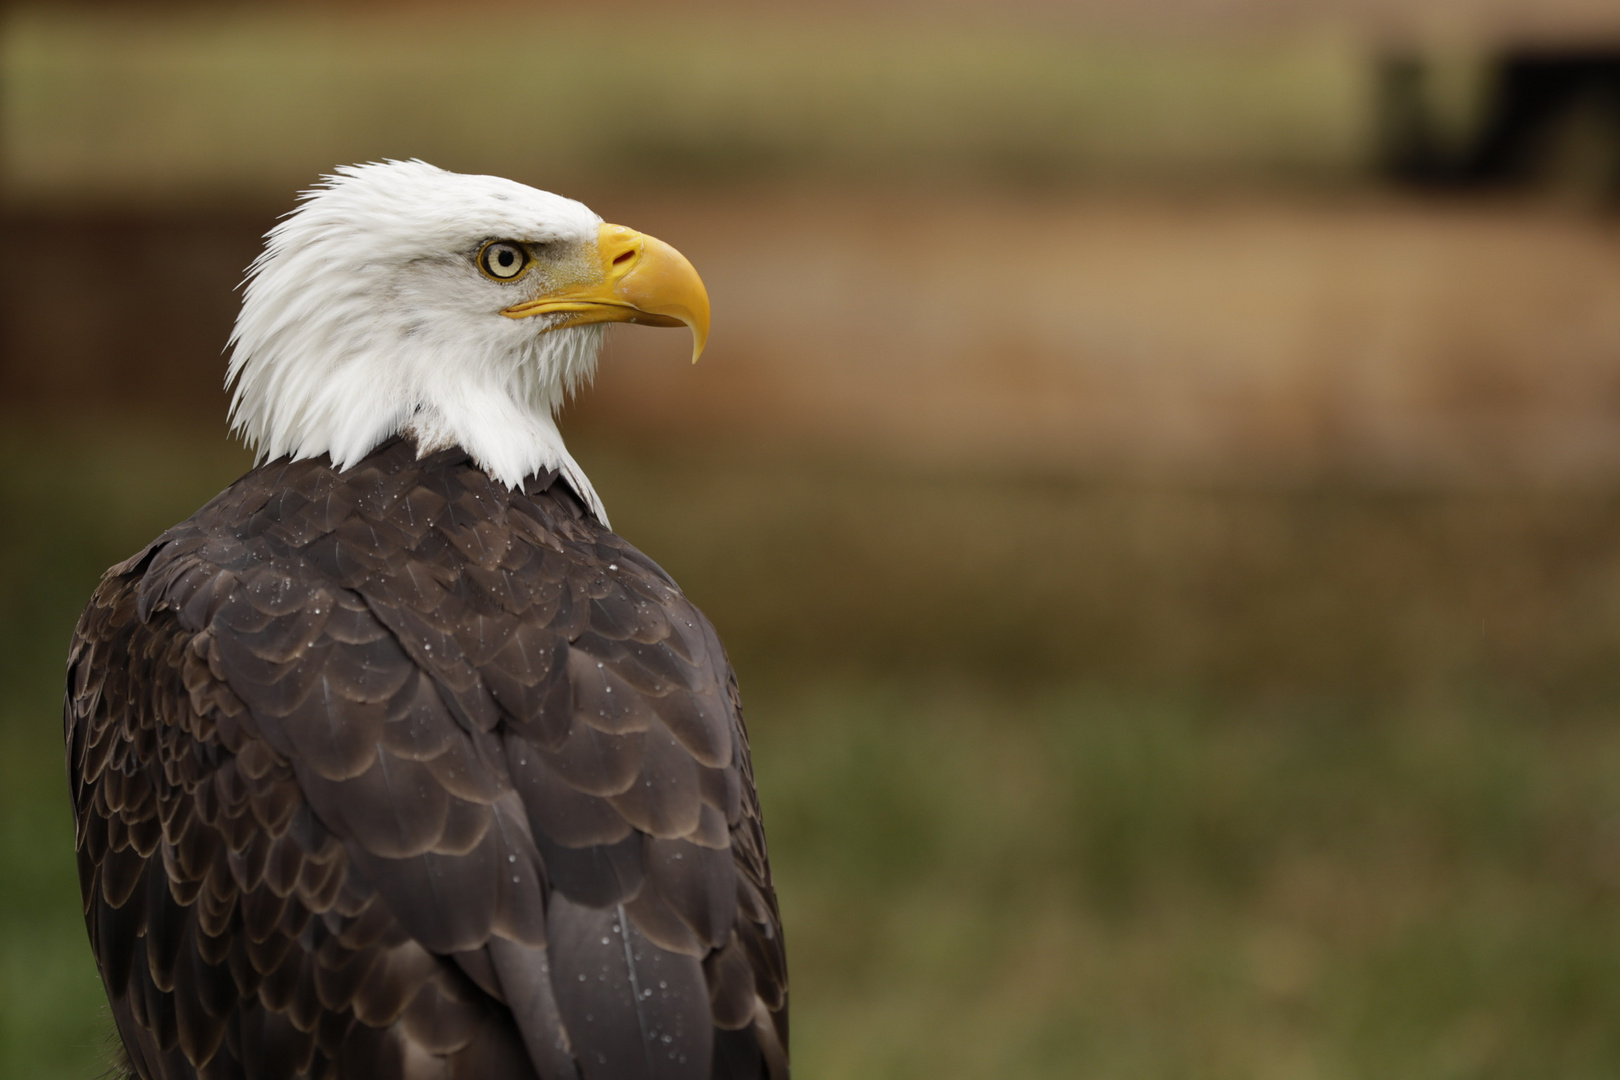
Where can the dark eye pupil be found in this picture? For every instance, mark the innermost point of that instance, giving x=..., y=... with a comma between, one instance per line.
x=505, y=258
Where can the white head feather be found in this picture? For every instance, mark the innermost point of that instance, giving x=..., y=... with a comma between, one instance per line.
x=366, y=316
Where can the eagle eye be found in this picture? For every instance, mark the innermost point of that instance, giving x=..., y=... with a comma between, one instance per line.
x=503, y=260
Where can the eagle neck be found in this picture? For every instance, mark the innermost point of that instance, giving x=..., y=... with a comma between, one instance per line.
x=507, y=440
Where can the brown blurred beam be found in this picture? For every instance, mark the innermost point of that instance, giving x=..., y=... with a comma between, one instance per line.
x=128, y=312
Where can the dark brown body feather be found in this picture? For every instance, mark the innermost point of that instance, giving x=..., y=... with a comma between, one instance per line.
x=396, y=773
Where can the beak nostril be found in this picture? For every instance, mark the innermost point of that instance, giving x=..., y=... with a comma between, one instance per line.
x=623, y=257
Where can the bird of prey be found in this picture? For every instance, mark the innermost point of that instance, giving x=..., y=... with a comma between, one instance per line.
x=393, y=762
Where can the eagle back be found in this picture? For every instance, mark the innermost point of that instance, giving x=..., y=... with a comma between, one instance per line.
x=396, y=771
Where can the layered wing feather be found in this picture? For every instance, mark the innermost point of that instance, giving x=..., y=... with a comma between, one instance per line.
x=396, y=772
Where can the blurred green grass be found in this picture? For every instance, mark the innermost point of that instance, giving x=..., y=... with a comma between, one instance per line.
x=1064, y=779
x=102, y=105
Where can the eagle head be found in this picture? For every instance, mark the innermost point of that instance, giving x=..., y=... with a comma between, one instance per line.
x=462, y=310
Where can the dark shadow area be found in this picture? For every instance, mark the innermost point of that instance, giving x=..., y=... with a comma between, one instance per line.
x=1550, y=121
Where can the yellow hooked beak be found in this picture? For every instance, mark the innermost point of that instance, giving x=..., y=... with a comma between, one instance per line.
x=643, y=280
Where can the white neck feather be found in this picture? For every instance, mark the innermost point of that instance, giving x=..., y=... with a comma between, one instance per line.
x=306, y=402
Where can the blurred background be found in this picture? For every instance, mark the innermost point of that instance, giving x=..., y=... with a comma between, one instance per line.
x=1156, y=468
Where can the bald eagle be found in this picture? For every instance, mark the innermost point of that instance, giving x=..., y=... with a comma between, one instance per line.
x=393, y=761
